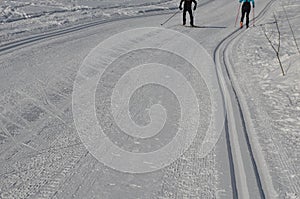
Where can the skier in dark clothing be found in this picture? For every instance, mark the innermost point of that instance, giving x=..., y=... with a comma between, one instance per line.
x=187, y=7
x=246, y=9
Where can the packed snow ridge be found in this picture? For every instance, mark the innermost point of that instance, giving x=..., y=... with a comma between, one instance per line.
x=24, y=17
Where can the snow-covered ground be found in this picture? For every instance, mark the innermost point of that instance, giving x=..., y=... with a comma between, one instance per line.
x=24, y=17
x=41, y=154
x=274, y=99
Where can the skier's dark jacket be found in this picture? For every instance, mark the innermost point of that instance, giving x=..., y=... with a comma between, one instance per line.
x=188, y=4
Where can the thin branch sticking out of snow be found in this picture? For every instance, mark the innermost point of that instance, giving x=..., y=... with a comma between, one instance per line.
x=295, y=40
x=276, y=50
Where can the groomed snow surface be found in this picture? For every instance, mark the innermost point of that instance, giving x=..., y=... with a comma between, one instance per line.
x=43, y=157
x=274, y=99
x=25, y=17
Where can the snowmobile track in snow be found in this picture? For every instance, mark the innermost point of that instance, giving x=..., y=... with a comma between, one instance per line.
x=239, y=122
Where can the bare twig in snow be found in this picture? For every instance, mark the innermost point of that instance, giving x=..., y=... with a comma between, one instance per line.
x=295, y=40
x=276, y=50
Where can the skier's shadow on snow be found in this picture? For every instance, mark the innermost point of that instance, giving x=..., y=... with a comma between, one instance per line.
x=217, y=27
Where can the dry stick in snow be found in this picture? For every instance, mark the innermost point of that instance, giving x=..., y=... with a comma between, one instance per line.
x=295, y=40
x=277, y=50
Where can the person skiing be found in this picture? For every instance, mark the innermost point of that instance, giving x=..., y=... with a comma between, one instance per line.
x=187, y=7
x=246, y=9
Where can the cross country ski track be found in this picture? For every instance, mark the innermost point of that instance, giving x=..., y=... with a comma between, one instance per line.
x=239, y=137
x=235, y=102
x=8, y=47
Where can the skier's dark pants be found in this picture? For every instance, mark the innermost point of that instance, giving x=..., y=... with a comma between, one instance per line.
x=246, y=8
x=191, y=16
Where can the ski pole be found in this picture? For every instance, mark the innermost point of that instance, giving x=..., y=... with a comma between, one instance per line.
x=170, y=18
x=253, y=17
x=237, y=16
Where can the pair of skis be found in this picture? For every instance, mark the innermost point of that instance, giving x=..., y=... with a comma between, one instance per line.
x=172, y=17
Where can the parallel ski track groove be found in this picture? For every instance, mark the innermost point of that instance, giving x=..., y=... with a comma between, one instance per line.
x=221, y=49
x=283, y=161
x=231, y=164
x=42, y=36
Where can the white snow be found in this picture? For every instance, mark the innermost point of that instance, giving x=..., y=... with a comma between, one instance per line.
x=25, y=17
x=37, y=82
x=274, y=99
